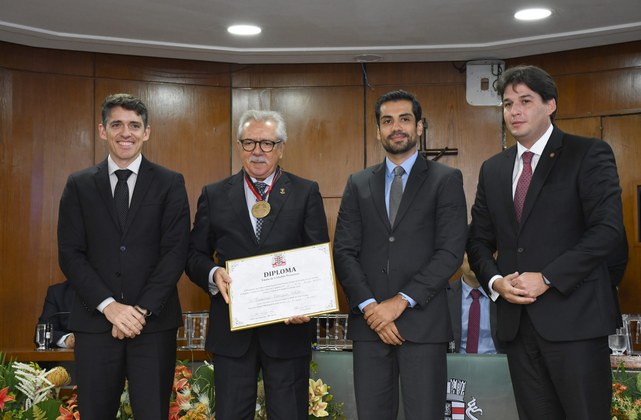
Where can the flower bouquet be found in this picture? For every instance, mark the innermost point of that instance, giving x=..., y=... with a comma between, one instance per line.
x=626, y=395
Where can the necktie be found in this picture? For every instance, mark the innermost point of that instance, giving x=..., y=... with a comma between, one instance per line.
x=396, y=193
x=260, y=187
x=121, y=196
x=474, y=323
x=523, y=184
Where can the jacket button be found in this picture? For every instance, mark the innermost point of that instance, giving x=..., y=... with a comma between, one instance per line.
x=117, y=273
x=519, y=250
x=123, y=248
x=391, y=239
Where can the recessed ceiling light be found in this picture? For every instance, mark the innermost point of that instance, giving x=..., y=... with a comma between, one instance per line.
x=532, y=14
x=244, y=30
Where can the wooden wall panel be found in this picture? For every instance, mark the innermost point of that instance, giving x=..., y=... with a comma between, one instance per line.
x=324, y=127
x=149, y=69
x=47, y=125
x=44, y=60
x=622, y=133
x=296, y=75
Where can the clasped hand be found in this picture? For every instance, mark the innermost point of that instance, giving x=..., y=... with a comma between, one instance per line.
x=127, y=321
x=381, y=316
x=522, y=289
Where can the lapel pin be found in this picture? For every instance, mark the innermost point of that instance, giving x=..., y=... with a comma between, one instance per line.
x=552, y=154
x=282, y=191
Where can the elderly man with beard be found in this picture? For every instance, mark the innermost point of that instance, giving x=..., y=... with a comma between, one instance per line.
x=400, y=236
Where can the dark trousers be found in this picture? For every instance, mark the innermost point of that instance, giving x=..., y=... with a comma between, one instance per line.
x=103, y=363
x=559, y=380
x=286, y=383
x=422, y=369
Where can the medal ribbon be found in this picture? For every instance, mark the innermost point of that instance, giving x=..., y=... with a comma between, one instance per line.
x=253, y=189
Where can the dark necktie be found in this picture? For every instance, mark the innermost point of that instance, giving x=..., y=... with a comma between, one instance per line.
x=260, y=187
x=474, y=323
x=396, y=193
x=121, y=196
x=523, y=184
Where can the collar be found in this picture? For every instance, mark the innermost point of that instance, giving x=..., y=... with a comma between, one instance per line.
x=538, y=146
x=466, y=289
x=267, y=180
x=133, y=166
x=407, y=165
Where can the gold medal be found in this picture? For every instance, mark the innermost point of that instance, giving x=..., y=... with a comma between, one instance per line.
x=261, y=209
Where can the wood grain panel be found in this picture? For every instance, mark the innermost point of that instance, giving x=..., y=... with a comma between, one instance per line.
x=44, y=60
x=588, y=127
x=47, y=124
x=622, y=133
x=296, y=75
x=189, y=134
x=595, y=59
x=324, y=126
x=388, y=76
x=149, y=69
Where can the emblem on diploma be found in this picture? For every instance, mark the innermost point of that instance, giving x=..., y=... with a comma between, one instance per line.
x=261, y=209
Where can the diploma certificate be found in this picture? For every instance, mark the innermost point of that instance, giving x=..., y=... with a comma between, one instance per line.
x=271, y=288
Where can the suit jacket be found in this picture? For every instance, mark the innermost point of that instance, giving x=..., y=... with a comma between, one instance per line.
x=56, y=310
x=571, y=221
x=416, y=256
x=139, y=265
x=223, y=227
x=454, y=292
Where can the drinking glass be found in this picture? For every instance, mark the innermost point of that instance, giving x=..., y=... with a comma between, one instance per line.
x=617, y=342
x=41, y=336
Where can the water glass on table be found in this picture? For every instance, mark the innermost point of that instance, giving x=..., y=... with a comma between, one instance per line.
x=618, y=342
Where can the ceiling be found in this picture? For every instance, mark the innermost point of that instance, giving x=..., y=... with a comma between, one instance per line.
x=318, y=31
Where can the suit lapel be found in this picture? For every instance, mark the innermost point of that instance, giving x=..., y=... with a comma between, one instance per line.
x=277, y=199
x=543, y=168
x=143, y=182
x=377, y=188
x=103, y=185
x=505, y=184
x=237, y=200
x=417, y=177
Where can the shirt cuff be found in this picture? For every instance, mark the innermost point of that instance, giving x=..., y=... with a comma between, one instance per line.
x=365, y=303
x=61, y=343
x=213, y=289
x=493, y=295
x=411, y=302
x=104, y=304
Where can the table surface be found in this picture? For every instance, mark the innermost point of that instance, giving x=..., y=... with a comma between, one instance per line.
x=66, y=355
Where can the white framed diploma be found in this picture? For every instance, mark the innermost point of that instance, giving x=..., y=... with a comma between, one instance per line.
x=271, y=288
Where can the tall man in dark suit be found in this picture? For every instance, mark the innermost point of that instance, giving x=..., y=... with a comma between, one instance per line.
x=400, y=236
x=259, y=210
x=551, y=207
x=124, y=263
x=460, y=299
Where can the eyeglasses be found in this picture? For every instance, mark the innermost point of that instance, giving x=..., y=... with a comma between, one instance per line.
x=265, y=145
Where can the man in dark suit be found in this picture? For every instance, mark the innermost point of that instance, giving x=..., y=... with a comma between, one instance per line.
x=460, y=300
x=259, y=210
x=55, y=311
x=123, y=246
x=399, y=238
x=551, y=207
